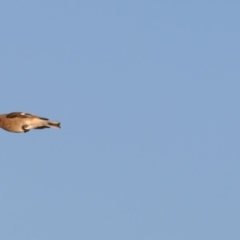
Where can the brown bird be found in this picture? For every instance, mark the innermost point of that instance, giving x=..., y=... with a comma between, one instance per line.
x=19, y=122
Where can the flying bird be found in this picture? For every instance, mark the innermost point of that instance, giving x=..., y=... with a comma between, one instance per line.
x=19, y=122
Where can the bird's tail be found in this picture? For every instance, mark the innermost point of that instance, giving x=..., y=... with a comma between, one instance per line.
x=54, y=124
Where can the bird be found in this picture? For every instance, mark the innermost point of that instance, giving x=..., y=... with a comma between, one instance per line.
x=21, y=122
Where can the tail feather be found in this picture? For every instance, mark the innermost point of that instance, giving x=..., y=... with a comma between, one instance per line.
x=54, y=124
x=41, y=127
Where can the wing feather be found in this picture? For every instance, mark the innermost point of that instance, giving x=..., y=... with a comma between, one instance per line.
x=23, y=115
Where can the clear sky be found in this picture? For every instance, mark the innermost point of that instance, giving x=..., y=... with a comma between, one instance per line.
x=148, y=96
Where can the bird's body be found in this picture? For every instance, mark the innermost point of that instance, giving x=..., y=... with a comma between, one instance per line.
x=19, y=122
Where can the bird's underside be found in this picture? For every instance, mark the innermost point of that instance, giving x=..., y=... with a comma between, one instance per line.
x=19, y=122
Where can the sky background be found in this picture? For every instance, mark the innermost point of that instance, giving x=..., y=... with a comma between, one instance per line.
x=147, y=93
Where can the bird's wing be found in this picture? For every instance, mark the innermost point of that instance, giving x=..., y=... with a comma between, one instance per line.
x=23, y=115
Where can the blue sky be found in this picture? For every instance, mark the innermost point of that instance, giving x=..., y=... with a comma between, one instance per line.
x=148, y=96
